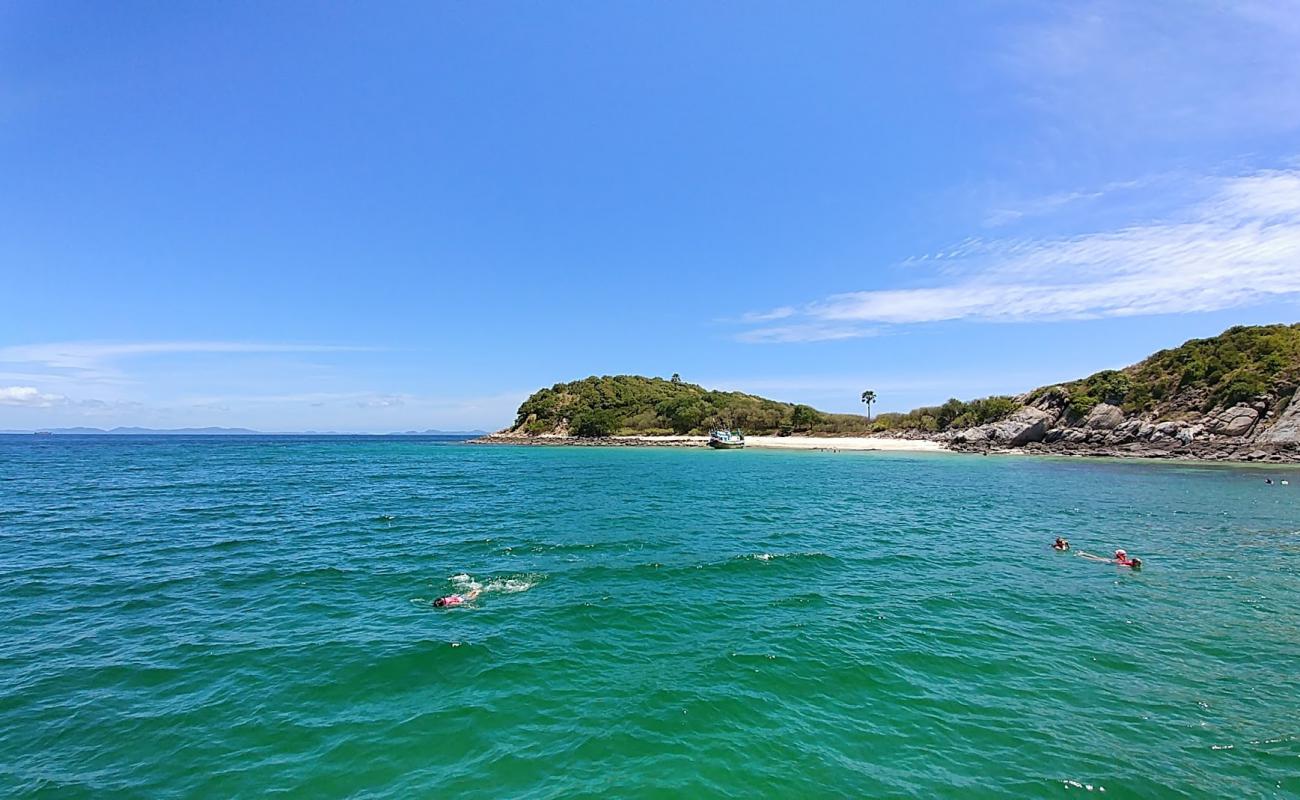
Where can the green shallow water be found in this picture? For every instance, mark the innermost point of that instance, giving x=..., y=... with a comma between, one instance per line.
x=237, y=617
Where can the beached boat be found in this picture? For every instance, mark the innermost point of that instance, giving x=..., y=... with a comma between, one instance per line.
x=726, y=440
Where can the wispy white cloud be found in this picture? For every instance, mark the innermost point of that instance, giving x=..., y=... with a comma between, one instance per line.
x=1156, y=68
x=367, y=399
x=1008, y=212
x=94, y=360
x=69, y=383
x=769, y=316
x=1174, y=69
x=28, y=397
x=1237, y=245
x=813, y=332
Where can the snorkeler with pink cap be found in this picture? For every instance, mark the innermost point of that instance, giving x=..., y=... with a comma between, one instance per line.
x=453, y=600
x=1121, y=559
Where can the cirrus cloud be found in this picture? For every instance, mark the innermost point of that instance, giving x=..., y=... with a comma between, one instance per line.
x=1237, y=245
x=94, y=360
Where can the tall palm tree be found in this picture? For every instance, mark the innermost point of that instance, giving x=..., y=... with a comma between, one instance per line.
x=868, y=397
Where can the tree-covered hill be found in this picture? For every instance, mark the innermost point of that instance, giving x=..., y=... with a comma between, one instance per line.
x=1241, y=380
x=632, y=404
x=1242, y=364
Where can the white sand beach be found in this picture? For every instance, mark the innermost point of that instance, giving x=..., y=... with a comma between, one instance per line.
x=809, y=442
x=842, y=443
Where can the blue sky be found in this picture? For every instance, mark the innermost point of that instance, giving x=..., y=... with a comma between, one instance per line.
x=374, y=217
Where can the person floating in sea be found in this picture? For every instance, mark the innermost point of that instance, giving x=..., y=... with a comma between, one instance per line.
x=1121, y=558
x=453, y=600
x=1061, y=544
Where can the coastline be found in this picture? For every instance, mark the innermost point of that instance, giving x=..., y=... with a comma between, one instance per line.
x=1200, y=451
x=831, y=443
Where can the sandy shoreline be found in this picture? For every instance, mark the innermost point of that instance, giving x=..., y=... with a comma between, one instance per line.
x=831, y=443
x=806, y=442
x=843, y=443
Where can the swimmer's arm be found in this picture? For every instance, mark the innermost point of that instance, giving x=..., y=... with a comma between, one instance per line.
x=473, y=593
x=1091, y=557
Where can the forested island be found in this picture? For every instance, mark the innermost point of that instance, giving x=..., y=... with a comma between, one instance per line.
x=1228, y=396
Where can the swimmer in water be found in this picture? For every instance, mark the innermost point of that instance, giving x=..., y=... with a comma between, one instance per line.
x=453, y=600
x=1121, y=559
x=1061, y=544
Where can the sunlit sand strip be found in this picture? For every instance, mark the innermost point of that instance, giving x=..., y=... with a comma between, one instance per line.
x=811, y=442
x=842, y=443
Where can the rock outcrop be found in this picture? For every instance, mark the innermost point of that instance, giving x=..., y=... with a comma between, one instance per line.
x=1285, y=430
x=1029, y=424
x=1235, y=421
x=1251, y=431
x=1104, y=417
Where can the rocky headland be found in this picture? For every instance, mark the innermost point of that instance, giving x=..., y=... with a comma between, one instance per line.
x=1231, y=397
x=1264, y=429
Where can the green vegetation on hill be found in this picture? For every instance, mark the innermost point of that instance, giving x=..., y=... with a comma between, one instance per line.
x=954, y=414
x=1238, y=365
x=1241, y=364
x=632, y=404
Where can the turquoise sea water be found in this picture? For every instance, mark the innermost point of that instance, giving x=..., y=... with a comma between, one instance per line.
x=244, y=616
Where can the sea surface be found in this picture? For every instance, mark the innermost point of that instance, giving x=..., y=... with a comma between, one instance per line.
x=248, y=616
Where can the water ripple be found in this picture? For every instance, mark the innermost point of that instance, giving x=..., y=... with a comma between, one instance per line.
x=244, y=617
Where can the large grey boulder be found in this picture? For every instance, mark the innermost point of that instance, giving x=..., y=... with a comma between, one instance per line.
x=1027, y=425
x=1180, y=432
x=1104, y=417
x=1287, y=428
x=1235, y=421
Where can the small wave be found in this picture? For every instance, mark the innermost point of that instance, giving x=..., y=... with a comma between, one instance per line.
x=1069, y=784
x=811, y=555
x=508, y=586
x=511, y=585
x=464, y=583
x=504, y=585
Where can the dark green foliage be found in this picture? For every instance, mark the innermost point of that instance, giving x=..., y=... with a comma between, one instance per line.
x=683, y=414
x=1238, y=365
x=982, y=411
x=630, y=404
x=594, y=422
x=1108, y=386
x=953, y=414
x=803, y=418
x=1244, y=386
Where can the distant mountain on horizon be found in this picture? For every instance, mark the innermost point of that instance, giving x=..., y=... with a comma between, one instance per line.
x=137, y=431
x=216, y=431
